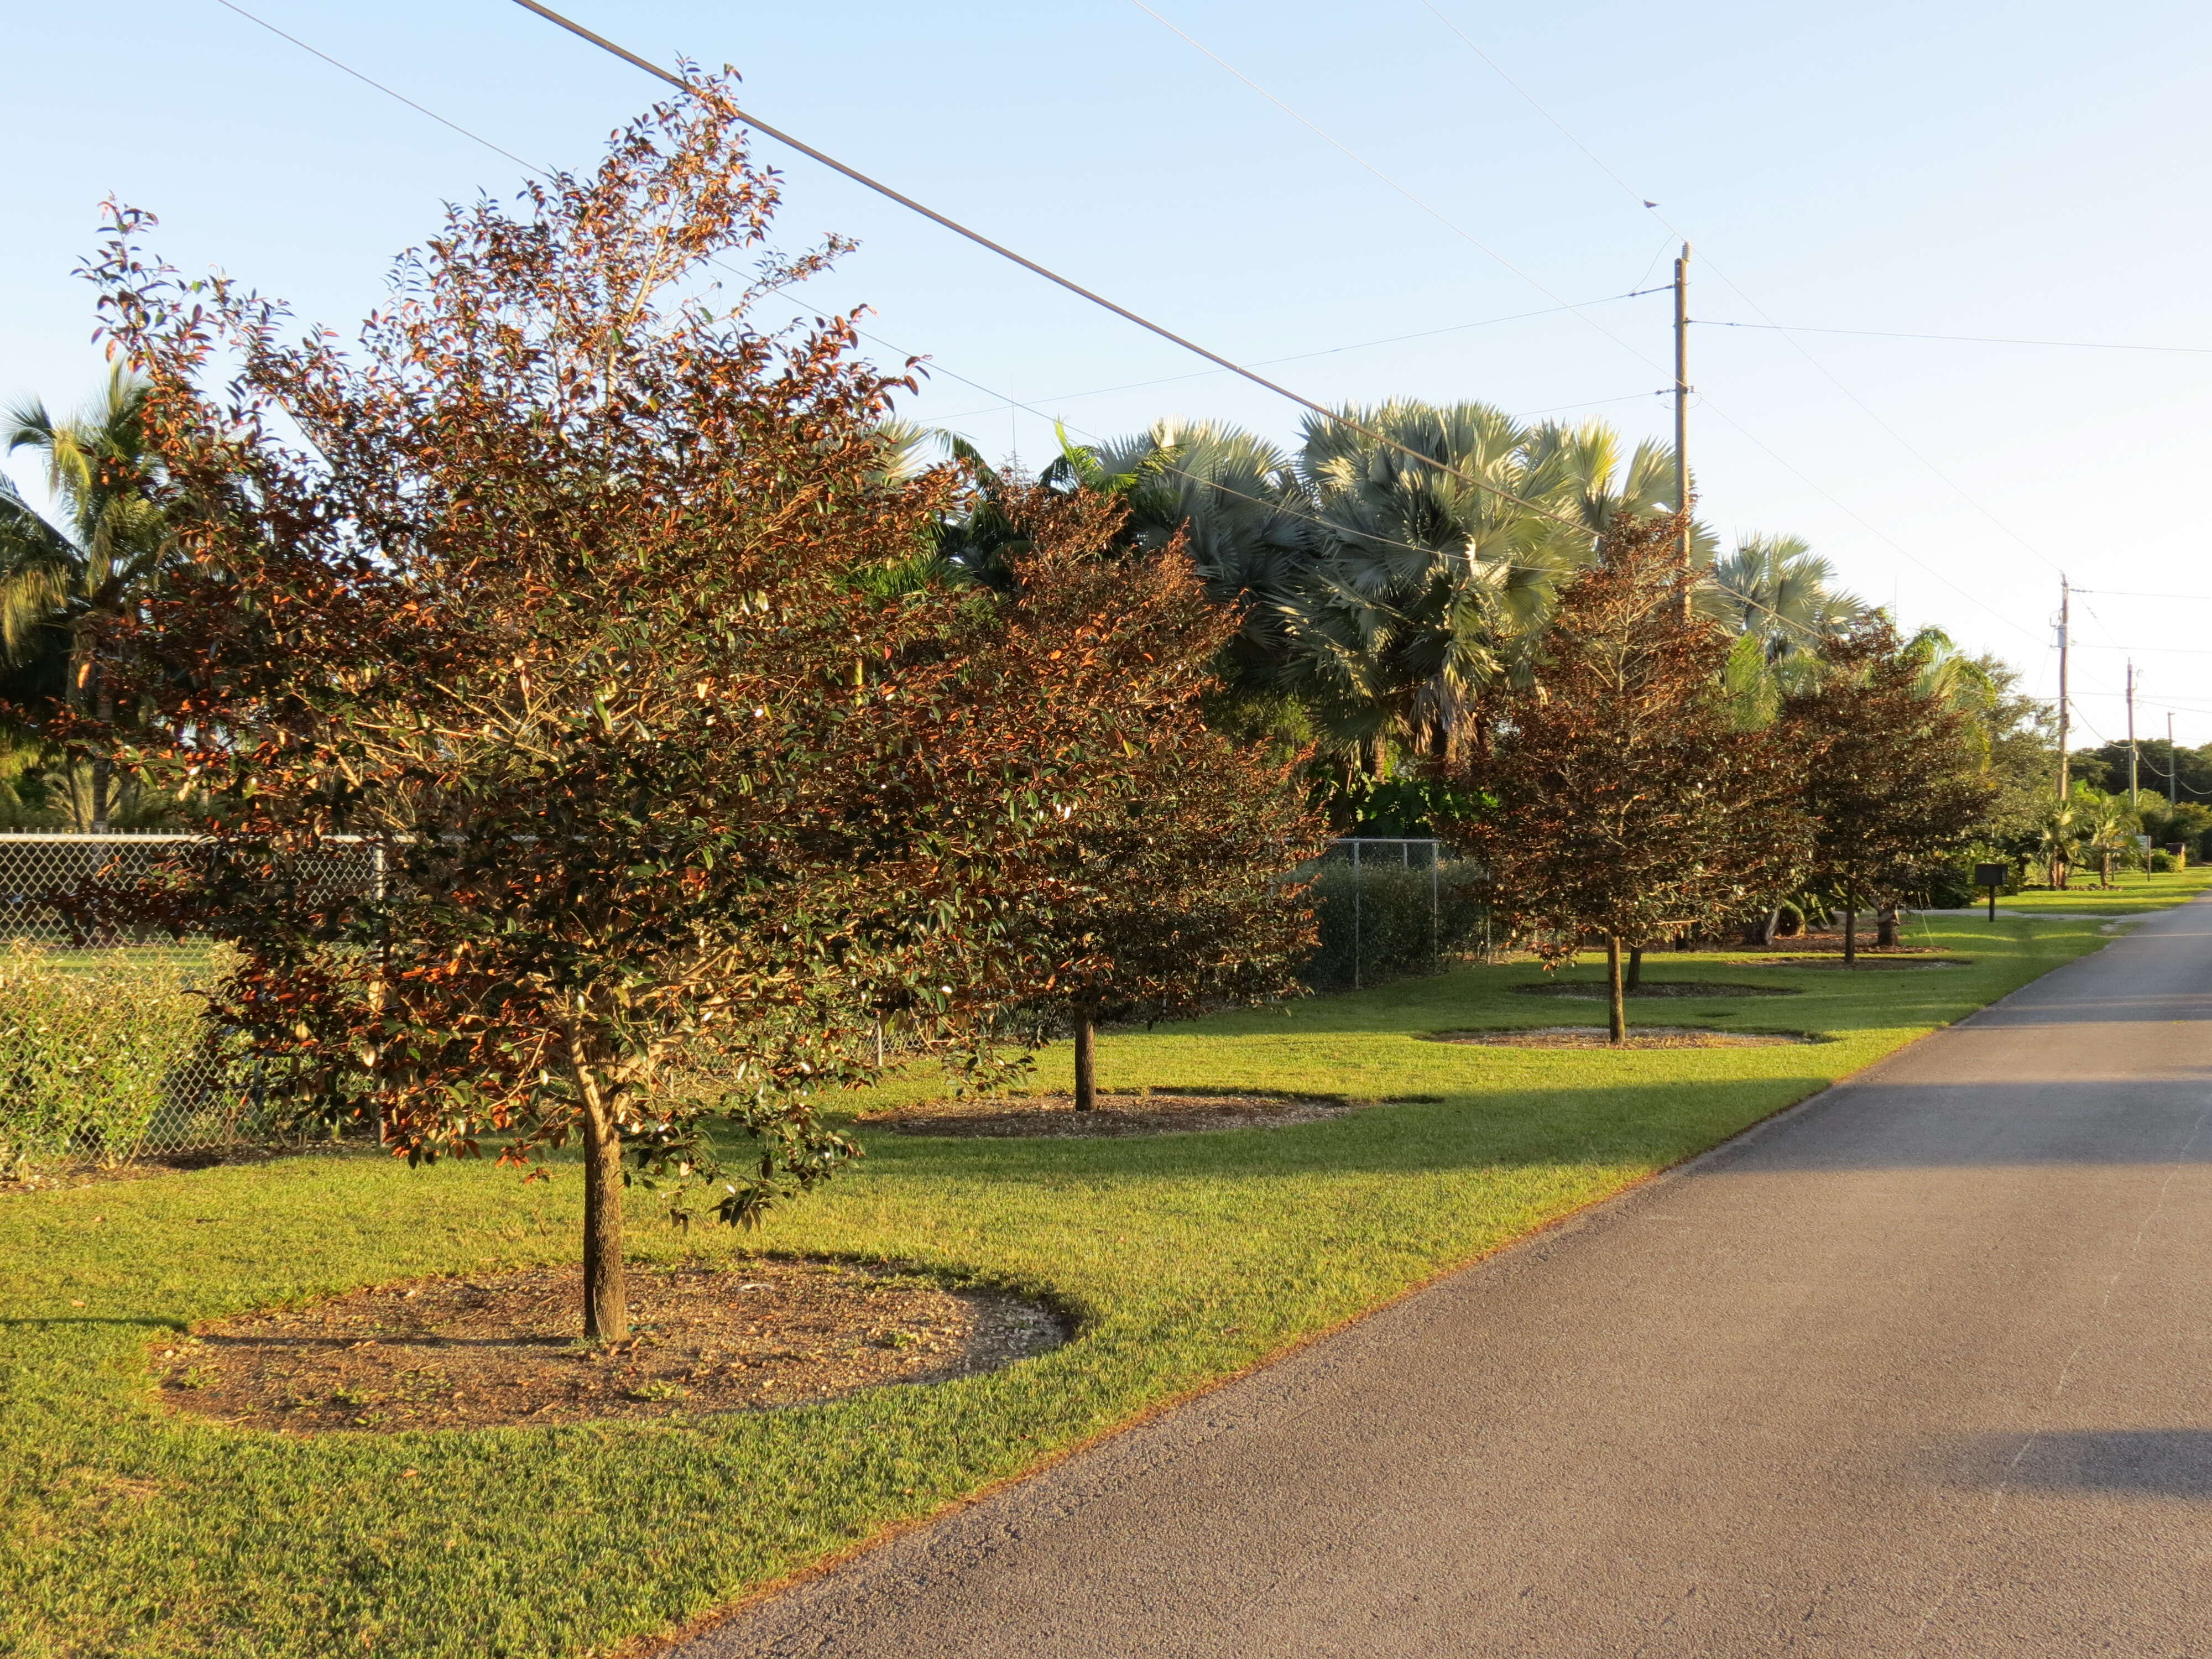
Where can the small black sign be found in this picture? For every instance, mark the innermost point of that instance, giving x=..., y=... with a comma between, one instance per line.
x=1990, y=875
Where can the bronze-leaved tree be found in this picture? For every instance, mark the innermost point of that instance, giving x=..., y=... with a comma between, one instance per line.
x=1172, y=887
x=1627, y=797
x=557, y=593
x=1892, y=782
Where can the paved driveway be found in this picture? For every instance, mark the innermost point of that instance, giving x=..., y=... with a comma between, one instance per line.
x=1923, y=1368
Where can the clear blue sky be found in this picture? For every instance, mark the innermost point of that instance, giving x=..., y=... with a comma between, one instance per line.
x=2026, y=170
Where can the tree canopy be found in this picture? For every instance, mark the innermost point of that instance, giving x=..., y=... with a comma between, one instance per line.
x=1892, y=782
x=565, y=606
x=1628, y=800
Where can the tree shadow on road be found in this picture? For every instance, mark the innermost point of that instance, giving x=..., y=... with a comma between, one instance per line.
x=2125, y=1462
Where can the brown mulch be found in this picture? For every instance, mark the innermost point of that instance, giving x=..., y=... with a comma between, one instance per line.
x=1583, y=990
x=1164, y=1111
x=506, y=1349
x=1832, y=944
x=1639, y=1037
x=1878, y=964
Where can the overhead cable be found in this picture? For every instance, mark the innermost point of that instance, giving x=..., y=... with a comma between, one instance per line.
x=1035, y=268
x=1653, y=208
x=1007, y=400
x=1964, y=339
x=348, y=69
x=1330, y=351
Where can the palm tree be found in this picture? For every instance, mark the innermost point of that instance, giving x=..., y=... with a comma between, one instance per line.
x=1584, y=464
x=1425, y=586
x=1383, y=590
x=62, y=577
x=2106, y=829
x=2058, y=838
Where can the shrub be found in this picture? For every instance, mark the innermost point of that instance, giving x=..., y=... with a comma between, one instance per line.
x=1388, y=908
x=92, y=1046
x=2161, y=862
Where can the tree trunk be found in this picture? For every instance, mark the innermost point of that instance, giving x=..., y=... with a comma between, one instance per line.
x=2104, y=869
x=1635, y=978
x=1617, y=1011
x=606, y=1295
x=1885, y=925
x=1850, y=925
x=1086, y=1066
x=1766, y=931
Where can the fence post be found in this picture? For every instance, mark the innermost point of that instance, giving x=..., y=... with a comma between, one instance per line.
x=377, y=889
x=1436, y=920
x=1355, y=915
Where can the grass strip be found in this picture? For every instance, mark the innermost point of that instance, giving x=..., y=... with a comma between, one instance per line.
x=126, y=1530
x=2132, y=893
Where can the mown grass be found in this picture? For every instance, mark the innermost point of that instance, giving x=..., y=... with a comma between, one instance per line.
x=126, y=1531
x=2132, y=893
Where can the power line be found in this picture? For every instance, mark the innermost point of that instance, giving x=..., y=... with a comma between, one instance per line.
x=1497, y=68
x=1652, y=208
x=1518, y=414
x=1964, y=339
x=999, y=399
x=2124, y=593
x=1050, y=275
x=347, y=70
x=2164, y=650
x=1013, y=403
x=1338, y=144
x=1356, y=345
x=1704, y=402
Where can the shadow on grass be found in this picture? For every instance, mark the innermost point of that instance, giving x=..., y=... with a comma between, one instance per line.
x=1874, y=1125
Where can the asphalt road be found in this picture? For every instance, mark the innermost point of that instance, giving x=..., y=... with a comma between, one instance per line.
x=1923, y=1367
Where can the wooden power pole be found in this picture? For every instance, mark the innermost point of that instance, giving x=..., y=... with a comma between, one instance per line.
x=1682, y=414
x=2134, y=760
x=2065, y=639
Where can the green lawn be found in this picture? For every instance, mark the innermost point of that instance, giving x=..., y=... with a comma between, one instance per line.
x=1187, y=1258
x=2130, y=895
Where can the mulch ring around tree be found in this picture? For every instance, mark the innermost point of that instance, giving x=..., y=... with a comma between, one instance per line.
x=1832, y=944
x=505, y=1349
x=1865, y=964
x=1119, y=1112
x=1639, y=1037
x=1585, y=990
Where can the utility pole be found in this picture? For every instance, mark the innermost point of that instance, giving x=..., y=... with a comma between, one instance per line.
x=2173, y=770
x=2065, y=639
x=1682, y=414
x=2134, y=761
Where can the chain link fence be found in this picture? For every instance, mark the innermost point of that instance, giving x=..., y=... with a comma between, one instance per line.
x=1393, y=907
x=103, y=1055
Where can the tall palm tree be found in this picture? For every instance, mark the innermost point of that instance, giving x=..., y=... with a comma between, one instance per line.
x=1385, y=589
x=1236, y=498
x=1783, y=603
x=1776, y=590
x=1433, y=573
x=1584, y=463
x=95, y=558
